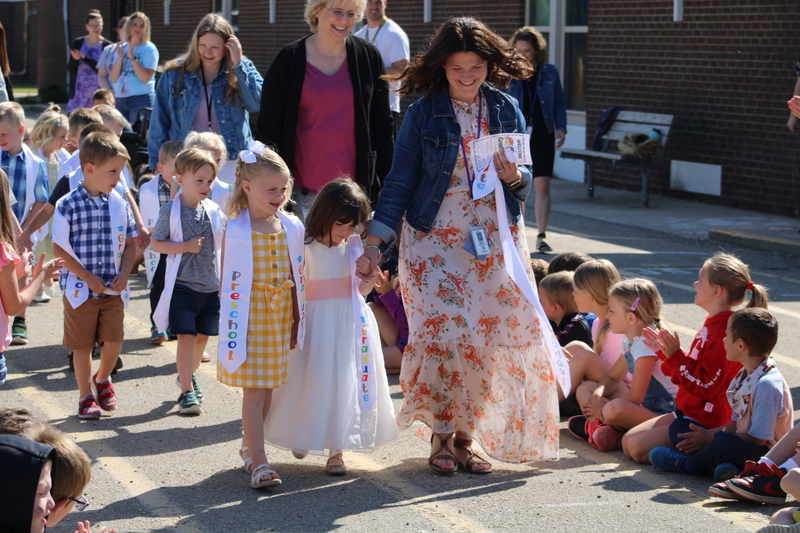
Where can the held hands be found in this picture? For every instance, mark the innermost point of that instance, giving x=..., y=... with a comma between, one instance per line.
x=143, y=239
x=365, y=270
x=506, y=170
x=235, y=50
x=695, y=440
x=373, y=256
x=24, y=242
x=193, y=246
x=665, y=340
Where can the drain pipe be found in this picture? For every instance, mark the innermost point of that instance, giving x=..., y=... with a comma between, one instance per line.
x=24, y=44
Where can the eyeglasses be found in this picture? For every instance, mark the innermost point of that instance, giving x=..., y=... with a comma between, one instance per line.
x=81, y=503
x=339, y=14
x=95, y=26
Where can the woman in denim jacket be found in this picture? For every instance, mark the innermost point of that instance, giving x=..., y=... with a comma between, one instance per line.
x=475, y=365
x=546, y=121
x=196, y=92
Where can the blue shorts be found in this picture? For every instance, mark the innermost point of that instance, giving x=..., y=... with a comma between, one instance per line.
x=193, y=313
x=660, y=405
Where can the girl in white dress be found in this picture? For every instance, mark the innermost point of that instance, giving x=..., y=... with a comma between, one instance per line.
x=337, y=396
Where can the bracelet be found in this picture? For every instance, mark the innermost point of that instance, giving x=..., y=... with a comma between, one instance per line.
x=514, y=183
x=372, y=246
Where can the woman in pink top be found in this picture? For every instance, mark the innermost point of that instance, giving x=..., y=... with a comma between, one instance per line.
x=325, y=106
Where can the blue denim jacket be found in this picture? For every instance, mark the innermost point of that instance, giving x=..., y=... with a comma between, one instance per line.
x=551, y=97
x=173, y=113
x=424, y=158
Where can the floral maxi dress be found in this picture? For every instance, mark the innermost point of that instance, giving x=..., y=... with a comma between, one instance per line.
x=476, y=359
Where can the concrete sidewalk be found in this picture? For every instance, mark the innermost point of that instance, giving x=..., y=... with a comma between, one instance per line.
x=683, y=218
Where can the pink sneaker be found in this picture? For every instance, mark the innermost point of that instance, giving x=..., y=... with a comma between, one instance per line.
x=107, y=398
x=88, y=408
x=605, y=438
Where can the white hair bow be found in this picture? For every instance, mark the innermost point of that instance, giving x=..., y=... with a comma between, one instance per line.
x=253, y=149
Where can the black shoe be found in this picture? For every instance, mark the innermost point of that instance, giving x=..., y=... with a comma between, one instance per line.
x=71, y=366
x=117, y=366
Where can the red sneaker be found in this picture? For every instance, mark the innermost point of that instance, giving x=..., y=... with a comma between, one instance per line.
x=105, y=394
x=763, y=486
x=605, y=438
x=88, y=408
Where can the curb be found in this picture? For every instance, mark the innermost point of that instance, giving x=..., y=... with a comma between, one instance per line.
x=752, y=240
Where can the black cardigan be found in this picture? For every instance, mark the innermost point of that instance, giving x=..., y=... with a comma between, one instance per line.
x=72, y=66
x=280, y=101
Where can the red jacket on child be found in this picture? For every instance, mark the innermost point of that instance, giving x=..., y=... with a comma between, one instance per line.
x=703, y=376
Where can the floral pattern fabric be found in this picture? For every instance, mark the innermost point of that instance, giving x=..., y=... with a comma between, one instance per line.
x=86, y=79
x=476, y=360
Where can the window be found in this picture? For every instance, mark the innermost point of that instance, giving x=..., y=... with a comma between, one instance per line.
x=564, y=23
x=230, y=10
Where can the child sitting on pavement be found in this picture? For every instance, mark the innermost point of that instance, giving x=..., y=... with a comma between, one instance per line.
x=759, y=398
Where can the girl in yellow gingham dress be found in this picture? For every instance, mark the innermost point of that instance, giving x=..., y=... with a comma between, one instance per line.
x=262, y=266
x=269, y=325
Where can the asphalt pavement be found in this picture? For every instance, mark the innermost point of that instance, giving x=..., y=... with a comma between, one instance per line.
x=156, y=471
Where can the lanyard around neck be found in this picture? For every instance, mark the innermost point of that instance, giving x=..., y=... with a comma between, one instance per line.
x=470, y=175
x=209, y=98
x=376, y=33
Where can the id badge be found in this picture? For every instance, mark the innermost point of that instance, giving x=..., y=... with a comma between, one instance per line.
x=477, y=244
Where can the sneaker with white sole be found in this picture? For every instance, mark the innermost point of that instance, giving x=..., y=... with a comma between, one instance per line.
x=195, y=386
x=188, y=404
x=19, y=332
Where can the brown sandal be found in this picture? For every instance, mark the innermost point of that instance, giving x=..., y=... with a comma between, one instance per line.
x=443, y=453
x=473, y=459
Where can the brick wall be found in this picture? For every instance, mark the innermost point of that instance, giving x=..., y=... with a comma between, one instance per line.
x=725, y=72
x=52, y=44
x=12, y=16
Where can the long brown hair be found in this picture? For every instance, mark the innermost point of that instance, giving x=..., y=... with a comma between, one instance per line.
x=189, y=61
x=6, y=226
x=341, y=200
x=426, y=73
x=4, y=52
x=533, y=37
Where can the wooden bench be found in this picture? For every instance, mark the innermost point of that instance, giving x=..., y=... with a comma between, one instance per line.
x=626, y=122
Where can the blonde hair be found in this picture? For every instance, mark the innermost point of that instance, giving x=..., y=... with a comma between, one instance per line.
x=641, y=297
x=99, y=147
x=729, y=272
x=82, y=117
x=597, y=277
x=12, y=114
x=111, y=114
x=313, y=8
x=190, y=61
x=193, y=159
x=268, y=162
x=559, y=287
x=169, y=151
x=46, y=127
x=129, y=23
x=207, y=140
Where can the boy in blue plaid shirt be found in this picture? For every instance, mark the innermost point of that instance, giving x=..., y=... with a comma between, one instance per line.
x=27, y=177
x=94, y=232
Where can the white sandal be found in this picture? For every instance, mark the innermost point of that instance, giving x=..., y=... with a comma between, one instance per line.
x=248, y=461
x=259, y=472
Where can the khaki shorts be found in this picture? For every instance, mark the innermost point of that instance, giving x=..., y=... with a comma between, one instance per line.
x=95, y=320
